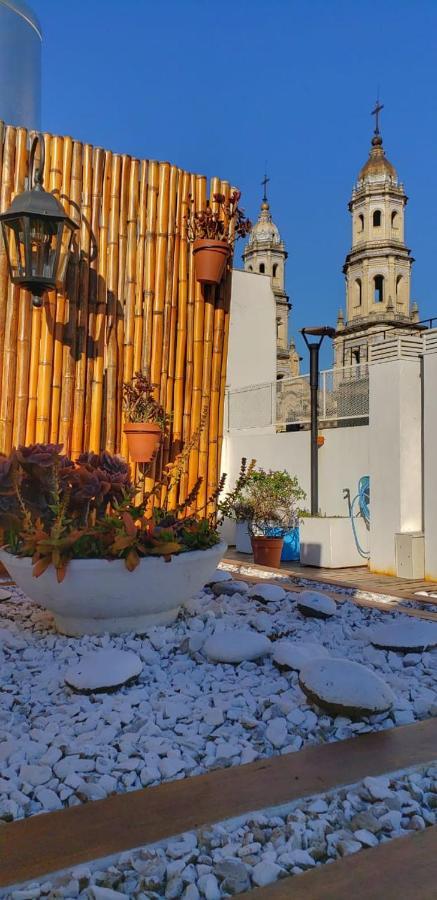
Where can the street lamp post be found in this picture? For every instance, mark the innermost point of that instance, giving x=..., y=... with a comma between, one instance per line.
x=314, y=348
x=37, y=234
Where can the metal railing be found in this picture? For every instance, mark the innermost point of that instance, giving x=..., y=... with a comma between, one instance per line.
x=343, y=400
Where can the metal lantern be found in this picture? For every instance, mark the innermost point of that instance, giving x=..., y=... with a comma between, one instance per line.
x=37, y=233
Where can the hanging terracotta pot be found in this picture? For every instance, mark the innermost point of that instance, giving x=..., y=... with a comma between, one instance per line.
x=267, y=551
x=210, y=260
x=143, y=440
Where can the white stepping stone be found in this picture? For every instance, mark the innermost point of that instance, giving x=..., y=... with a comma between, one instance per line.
x=412, y=636
x=236, y=646
x=315, y=604
x=5, y=594
x=103, y=670
x=219, y=576
x=345, y=688
x=294, y=655
x=230, y=587
x=267, y=593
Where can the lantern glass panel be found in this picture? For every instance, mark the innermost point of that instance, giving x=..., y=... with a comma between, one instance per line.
x=65, y=234
x=43, y=241
x=13, y=232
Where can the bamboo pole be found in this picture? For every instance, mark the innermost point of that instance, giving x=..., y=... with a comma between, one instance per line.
x=97, y=429
x=139, y=296
x=61, y=304
x=130, y=289
x=111, y=330
x=71, y=307
x=181, y=326
x=218, y=364
x=96, y=205
x=7, y=182
x=198, y=350
x=77, y=434
x=11, y=321
x=188, y=381
x=48, y=318
x=149, y=263
x=170, y=266
x=211, y=295
x=122, y=288
x=170, y=323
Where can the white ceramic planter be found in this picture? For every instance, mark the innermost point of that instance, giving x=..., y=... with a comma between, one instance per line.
x=97, y=596
x=242, y=538
x=330, y=543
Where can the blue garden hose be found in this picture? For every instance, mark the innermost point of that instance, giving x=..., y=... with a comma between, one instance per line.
x=361, y=503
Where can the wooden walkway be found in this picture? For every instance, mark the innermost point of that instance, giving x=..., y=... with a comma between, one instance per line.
x=40, y=845
x=402, y=869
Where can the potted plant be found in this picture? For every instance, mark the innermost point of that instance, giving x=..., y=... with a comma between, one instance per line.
x=236, y=506
x=273, y=498
x=81, y=542
x=213, y=232
x=145, y=418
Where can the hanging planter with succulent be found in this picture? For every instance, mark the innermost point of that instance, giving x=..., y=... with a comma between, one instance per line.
x=213, y=232
x=145, y=419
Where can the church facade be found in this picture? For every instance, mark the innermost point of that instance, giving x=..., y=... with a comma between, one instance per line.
x=378, y=266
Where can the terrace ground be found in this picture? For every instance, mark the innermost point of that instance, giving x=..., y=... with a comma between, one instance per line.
x=210, y=732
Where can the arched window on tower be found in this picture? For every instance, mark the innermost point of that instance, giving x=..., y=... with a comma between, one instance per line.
x=357, y=292
x=360, y=223
x=377, y=218
x=394, y=220
x=250, y=269
x=378, y=287
x=400, y=282
x=275, y=270
x=262, y=268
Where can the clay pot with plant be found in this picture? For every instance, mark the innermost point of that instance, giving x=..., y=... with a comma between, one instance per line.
x=273, y=499
x=213, y=232
x=145, y=419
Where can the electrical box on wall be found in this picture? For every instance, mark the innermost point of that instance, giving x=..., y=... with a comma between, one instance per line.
x=410, y=554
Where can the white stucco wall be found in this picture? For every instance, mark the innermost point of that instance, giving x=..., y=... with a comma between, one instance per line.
x=430, y=464
x=343, y=459
x=395, y=457
x=252, y=331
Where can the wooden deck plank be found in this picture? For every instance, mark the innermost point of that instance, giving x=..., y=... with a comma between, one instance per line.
x=288, y=582
x=353, y=579
x=404, y=868
x=37, y=846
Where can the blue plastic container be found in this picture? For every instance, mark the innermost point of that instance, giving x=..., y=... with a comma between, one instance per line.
x=291, y=548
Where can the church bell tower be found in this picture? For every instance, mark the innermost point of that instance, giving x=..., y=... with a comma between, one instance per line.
x=378, y=267
x=265, y=254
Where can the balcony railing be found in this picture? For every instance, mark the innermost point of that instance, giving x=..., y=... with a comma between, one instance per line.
x=286, y=404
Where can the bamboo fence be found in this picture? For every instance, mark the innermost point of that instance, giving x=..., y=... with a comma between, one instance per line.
x=131, y=302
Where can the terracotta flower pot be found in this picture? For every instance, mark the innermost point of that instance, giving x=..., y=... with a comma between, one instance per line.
x=210, y=260
x=142, y=439
x=267, y=551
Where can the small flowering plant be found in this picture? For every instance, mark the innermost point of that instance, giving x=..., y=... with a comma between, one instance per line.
x=223, y=220
x=139, y=404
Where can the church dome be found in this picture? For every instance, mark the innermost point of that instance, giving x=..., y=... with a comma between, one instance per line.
x=377, y=167
x=264, y=231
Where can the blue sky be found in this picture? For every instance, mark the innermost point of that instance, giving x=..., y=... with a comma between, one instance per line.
x=220, y=87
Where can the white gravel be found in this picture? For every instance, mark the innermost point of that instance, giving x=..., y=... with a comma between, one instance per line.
x=256, y=849
x=186, y=714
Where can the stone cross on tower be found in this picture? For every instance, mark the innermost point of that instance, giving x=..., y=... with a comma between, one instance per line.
x=375, y=112
x=265, y=182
